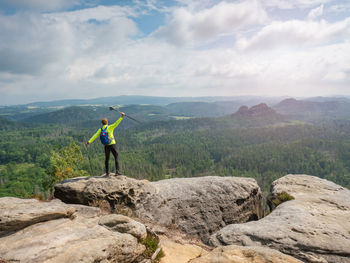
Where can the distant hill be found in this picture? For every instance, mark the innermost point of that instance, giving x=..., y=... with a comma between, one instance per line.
x=89, y=115
x=220, y=112
x=180, y=106
x=258, y=116
x=152, y=100
x=118, y=100
x=260, y=110
x=65, y=116
x=325, y=99
x=314, y=110
x=203, y=109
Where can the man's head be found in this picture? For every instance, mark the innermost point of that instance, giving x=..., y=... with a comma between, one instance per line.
x=104, y=121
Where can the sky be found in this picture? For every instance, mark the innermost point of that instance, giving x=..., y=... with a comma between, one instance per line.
x=67, y=49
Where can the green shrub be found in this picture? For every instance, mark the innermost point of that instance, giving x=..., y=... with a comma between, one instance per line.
x=281, y=197
x=151, y=243
x=64, y=164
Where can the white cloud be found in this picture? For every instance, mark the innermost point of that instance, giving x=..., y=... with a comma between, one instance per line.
x=291, y=4
x=99, y=13
x=29, y=43
x=296, y=33
x=187, y=27
x=150, y=67
x=35, y=43
x=99, y=52
x=340, y=8
x=315, y=13
x=43, y=5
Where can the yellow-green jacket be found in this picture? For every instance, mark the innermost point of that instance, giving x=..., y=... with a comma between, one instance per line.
x=110, y=130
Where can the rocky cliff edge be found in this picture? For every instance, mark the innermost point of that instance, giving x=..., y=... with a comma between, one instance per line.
x=314, y=227
x=198, y=206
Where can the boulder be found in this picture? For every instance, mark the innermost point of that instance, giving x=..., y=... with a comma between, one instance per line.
x=239, y=254
x=124, y=224
x=78, y=238
x=314, y=227
x=19, y=213
x=114, y=189
x=198, y=206
x=175, y=252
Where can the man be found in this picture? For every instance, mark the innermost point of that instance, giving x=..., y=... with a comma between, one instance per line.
x=110, y=145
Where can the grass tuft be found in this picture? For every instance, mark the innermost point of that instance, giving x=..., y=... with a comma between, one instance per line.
x=151, y=243
x=281, y=198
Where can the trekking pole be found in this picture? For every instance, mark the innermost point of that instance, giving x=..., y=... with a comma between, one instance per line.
x=88, y=154
x=131, y=118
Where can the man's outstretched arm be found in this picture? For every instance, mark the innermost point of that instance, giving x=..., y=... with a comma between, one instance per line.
x=114, y=125
x=93, y=137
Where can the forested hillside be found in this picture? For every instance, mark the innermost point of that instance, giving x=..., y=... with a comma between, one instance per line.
x=315, y=110
x=256, y=142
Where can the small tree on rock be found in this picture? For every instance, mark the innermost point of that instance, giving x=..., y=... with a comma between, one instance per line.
x=64, y=164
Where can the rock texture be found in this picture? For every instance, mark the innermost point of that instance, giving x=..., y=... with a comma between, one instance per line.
x=179, y=253
x=20, y=213
x=124, y=224
x=199, y=206
x=239, y=254
x=59, y=239
x=315, y=227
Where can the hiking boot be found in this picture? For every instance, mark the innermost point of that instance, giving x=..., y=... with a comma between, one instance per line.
x=118, y=173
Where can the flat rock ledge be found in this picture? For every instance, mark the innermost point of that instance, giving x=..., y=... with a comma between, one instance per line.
x=239, y=254
x=315, y=227
x=19, y=213
x=51, y=232
x=198, y=206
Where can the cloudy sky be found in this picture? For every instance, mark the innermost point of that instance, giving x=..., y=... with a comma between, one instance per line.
x=60, y=49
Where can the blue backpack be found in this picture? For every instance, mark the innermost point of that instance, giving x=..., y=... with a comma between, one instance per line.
x=104, y=137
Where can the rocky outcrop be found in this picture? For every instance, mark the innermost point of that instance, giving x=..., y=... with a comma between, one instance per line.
x=19, y=213
x=51, y=238
x=198, y=206
x=314, y=227
x=258, y=110
x=175, y=252
x=124, y=224
x=239, y=254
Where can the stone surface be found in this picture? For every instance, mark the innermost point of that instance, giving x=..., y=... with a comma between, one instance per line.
x=315, y=227
x=18, y=213
x=239, y=254
x=117, y=190
x=179, y=253
x=124, y=224
x=199, y=206
x=76, y=239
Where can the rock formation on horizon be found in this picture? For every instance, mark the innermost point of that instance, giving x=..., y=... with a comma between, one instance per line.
x=260, y=110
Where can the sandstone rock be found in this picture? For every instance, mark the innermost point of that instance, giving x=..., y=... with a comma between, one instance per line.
x=239, y=254
x=86, y=211
x=315, y=227
x=198, y=206
x=18, y=213
x=201, y=206
x=115, y=190
x=124, y=224
x=76, y=239
x=179, y=253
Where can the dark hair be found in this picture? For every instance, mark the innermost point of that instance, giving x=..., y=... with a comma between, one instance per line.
x=104, y=121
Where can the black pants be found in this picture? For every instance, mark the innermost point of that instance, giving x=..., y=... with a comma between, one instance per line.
x=108, y=149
